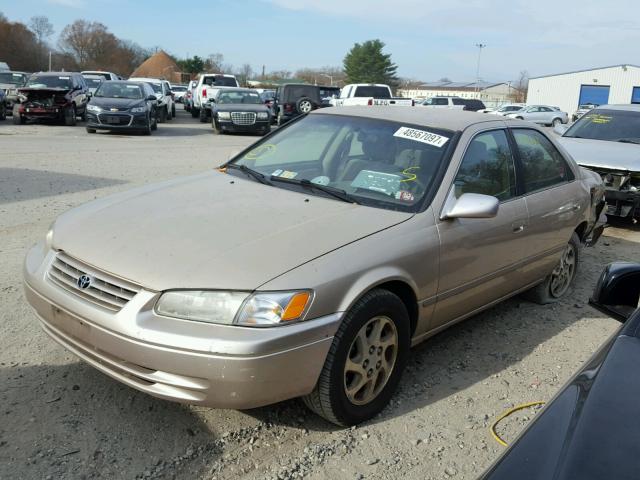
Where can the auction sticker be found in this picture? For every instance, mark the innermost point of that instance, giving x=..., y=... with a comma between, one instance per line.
x=421, y=136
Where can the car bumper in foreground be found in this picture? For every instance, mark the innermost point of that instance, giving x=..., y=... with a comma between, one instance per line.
x=190, y=362
x=258, y=126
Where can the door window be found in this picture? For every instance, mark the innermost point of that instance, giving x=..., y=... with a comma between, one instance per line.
x=542, y=164
x=487, y=167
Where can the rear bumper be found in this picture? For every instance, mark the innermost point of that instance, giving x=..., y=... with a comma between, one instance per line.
x=188, y=362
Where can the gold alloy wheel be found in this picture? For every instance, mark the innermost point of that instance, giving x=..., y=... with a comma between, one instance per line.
x=563, y=273
x=371, y=359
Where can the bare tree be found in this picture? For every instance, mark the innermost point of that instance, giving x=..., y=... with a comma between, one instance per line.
x=520, y=87
x=244, y=74
x=92, y=45
x=41, y=28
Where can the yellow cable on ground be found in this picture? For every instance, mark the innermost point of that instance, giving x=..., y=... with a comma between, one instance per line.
x=505, y=415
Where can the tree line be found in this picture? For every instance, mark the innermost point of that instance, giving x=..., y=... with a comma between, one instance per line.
x=81, y=45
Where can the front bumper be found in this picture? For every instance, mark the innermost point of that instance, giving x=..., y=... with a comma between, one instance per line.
x=622, y=203
x=190, y=362
x=50, y=113
x=258, y=126
x=127, y=121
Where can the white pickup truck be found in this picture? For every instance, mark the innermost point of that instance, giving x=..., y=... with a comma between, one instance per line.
x=369, y=94
x=206, y=89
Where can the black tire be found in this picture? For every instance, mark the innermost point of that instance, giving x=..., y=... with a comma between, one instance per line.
x=70, y=116
x=194, y=112
x=304, y=105
x=83, y=117
x=329, y=399
x=203, y=115
x=546, y=291
x=163, y=115
x=266, y=130
x=91, y=130
x=173, y=111
x=555, y=122
x=149, y=128
x=3, y=111
x=154, y=121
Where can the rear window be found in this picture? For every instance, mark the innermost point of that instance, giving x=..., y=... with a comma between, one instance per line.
x=220, y=81
x=372, y=91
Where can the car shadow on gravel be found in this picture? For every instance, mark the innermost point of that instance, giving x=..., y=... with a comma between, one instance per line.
x=70, y=421
x=18, y=184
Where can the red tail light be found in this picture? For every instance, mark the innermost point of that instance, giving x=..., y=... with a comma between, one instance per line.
x=204, y=92
x=370, y=102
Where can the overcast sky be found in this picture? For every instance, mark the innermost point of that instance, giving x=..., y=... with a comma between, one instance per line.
x=428, y=40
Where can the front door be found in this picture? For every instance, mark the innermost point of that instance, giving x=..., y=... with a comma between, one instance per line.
x=479, y=256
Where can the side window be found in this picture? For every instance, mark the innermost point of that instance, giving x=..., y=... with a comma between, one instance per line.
x=542, y=164
x=441, y=101
x=487, y=167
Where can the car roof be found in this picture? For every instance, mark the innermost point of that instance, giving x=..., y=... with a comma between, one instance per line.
x=56, y=74
x=633, y=107
x=147, y=79
x=456, y=120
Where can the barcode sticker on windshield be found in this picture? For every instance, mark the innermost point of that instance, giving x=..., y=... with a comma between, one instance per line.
x=421, y=136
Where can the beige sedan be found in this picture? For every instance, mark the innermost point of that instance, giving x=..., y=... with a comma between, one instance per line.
x=308, y=265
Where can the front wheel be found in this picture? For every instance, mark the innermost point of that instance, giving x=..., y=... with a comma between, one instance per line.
x=70, y=116
x=556, y=122
x=163, y=115
x=557, y=283
x=365, y=361
x=3, y=111
x=173, y=111
x=91, y=130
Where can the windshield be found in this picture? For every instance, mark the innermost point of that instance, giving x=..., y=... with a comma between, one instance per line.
x=178, y=88
x=49, y=81
x=376, y=162
x=119, y=90
x=611, y=125
x=510, y=108
x=220, y=81
x=93, y=82
x=13, y=78
x=238, y=97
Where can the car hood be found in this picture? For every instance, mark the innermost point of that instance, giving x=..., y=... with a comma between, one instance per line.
x=603, y=154
x=239, y=107
x=119, y=103
x=213, y=230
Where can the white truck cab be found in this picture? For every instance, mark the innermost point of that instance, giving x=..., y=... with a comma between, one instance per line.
x=206, y=89
x=369, y=94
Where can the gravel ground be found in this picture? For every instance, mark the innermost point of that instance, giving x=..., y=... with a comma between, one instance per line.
x=62, y=419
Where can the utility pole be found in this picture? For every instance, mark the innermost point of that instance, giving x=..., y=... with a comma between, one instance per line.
x=480, y=47
x=49, y=60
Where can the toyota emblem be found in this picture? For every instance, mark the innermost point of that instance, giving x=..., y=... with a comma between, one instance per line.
x=84, y=281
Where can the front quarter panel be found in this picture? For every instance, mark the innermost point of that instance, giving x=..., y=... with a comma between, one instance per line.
x=407, y=252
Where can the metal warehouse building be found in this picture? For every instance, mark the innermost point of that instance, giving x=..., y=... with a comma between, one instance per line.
x=615, y=84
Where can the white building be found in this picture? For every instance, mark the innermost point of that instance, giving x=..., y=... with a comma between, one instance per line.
x=491, y=94
x=599, y=86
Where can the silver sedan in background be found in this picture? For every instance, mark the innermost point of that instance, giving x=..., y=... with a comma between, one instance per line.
x=541, y=114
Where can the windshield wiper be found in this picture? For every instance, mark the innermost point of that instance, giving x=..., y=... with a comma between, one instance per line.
x=628, y=140
x=249, y=172
x=334, y=192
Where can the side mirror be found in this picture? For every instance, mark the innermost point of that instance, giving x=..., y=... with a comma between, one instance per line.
x=617, y=293
x=471, y=205
x=152, y=98
x=560, y=129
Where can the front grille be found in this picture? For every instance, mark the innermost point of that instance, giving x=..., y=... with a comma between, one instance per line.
x=104, y=290
x=243, y=118
x=114, y=119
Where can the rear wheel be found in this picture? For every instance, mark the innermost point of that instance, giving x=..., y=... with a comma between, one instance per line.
x=203, y=115
x=365, y=361
x=556, y=122
x=194, y=112
x=304, y=105
x=557, y=283
x=70, y=116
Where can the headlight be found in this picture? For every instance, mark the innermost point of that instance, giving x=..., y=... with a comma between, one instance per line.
x=235, y=308
x=263, y=115
x=93, y=108
x=138, y=109
x=224, y=115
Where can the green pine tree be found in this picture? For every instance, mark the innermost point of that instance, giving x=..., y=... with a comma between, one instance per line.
x=366, y=63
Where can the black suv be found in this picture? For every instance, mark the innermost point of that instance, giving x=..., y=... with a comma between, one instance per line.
x=295, y=99
x=470, y=104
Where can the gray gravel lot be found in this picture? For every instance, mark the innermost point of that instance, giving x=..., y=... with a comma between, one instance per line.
x=62, y=419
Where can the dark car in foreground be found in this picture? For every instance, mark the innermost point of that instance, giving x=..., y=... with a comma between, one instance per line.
x=122, y=105
x=591, y=429
x=60, y=96
x=607, y=140
x=240, y=110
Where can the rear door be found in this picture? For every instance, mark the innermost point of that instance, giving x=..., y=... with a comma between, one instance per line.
x=479, y=257
x=553, y=198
